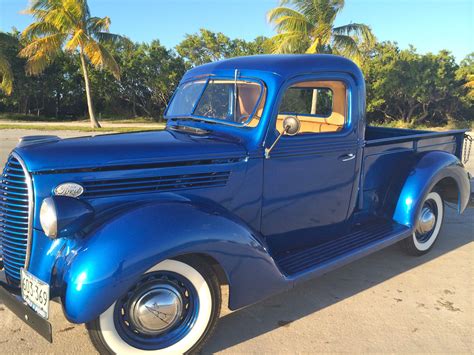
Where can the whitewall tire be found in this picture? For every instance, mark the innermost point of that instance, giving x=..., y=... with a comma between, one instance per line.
x=173, y=309
x=428, y=225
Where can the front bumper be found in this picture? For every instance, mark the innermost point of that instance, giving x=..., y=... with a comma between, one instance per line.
x=14, y=303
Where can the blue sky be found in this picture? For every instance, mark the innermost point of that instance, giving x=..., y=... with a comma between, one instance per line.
x=430, y=25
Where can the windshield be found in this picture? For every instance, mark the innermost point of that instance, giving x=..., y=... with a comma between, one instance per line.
x=228, y=100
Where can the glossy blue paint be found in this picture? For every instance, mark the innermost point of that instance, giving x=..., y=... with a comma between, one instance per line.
x=72, y=214
x=140, y=236
x=168, y=193
x=430, y=169
x=390, y=157
x=118, y=151
x=294, y=173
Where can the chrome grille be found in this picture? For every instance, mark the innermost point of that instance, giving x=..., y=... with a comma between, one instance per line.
x=15, y=217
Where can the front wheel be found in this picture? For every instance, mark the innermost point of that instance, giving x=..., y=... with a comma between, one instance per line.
x=428, y=226
x=173, y=309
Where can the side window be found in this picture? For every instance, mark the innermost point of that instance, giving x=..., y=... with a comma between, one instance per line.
x=319, y=105
x=307, y=101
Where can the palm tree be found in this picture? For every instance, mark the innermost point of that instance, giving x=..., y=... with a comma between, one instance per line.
x=6, y=73
x=308, y=26
x=68, y=25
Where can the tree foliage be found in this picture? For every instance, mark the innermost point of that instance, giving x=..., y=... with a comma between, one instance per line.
x=404, y=85
x=307, y=26
x=466, y=73
x=68, y=25
x=150, y=74
x=7, y=42
x=207, y=46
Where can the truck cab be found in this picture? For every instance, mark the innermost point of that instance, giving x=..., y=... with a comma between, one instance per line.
x=265, y=176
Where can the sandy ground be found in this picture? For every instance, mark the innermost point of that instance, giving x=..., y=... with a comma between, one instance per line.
x=387, y=302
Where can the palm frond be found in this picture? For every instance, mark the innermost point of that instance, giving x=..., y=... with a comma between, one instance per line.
x=42, y=5
x=6, y=76
x=347, y=47
x=47, y=44
x=111, y=38
x=315, y=47
x=77, y=40
x=288, y=42
x=98, y=24
x=310, y=9
x=322, y=32
x=76, y=11
x=85, y=10
x=101, y=58
x=311, y=23
x=41, y=52
x=358, y=29
x=59, y=20
x=286, y=19
x=51, y=11
x=37, y=29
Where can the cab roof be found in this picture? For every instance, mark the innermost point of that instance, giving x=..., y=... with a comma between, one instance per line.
x=283, y=65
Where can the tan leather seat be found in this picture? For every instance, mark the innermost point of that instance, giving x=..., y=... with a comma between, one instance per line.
x=247, y=100
x=313, y=124
x=248, y=97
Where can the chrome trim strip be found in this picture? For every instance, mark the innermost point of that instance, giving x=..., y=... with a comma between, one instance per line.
x=222, y=159
x=29, y=184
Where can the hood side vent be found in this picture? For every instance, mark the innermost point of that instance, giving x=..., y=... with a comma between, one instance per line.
x=104, y=188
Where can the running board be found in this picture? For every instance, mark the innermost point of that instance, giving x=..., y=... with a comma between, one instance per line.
x=341, y=250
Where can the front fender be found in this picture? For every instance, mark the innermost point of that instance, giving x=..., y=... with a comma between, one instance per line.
x=112, y=258
x=431, y=168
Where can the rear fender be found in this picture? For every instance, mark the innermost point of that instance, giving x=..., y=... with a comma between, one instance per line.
x=430, y=169
x=114, y=256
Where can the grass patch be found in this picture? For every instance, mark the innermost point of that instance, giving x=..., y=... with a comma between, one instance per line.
x=129, y=120
x=79, y=128
x=19, y=117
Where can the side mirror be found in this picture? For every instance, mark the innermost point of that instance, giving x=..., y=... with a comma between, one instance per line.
x=291, y=126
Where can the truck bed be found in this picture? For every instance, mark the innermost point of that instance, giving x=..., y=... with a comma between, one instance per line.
x=389, y=154
x=416, y=140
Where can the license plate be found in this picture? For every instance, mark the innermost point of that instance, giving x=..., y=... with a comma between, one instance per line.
x=35, y=293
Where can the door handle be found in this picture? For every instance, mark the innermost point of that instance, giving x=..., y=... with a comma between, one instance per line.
x=347, y=157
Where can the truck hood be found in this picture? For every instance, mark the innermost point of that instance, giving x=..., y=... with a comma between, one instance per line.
x=126, y=149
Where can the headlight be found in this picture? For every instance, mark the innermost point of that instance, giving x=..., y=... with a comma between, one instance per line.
x=49, y=218
x=61, y=216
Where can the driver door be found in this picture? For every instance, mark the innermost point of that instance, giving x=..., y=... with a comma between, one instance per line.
x=309, y=178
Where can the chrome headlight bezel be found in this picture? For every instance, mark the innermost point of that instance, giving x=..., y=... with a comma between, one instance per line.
x=63, y=216
x=49, y=218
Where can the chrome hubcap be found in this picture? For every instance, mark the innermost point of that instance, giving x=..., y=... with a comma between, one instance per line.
x=426, y=221
x=156, y=309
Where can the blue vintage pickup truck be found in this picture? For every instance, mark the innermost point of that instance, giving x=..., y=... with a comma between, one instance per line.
x=265, y=176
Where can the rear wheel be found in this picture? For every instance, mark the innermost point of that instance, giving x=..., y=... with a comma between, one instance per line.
x=428, y=226
x=173, y=309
